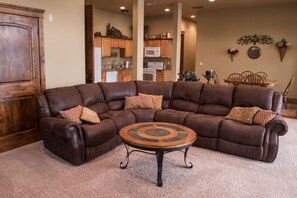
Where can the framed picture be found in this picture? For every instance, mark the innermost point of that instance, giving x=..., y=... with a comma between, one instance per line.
x=254, y=52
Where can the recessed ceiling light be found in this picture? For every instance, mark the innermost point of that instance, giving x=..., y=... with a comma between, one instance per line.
x=192, y=16
x=167, y=10
x=149, y=4
x=122, y=8
x=211, y=0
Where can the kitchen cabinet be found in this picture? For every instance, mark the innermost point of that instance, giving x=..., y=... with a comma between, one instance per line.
x=124, y=75
x=106, y=47
x=114, y=42
x=97, y=42
x=103, y=76
x=122, y=43
x=127, y=51
x=162, y=75
x=166, y=48
x=153, y=43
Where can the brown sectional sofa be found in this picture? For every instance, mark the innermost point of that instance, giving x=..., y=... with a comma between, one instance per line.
x=199, y=106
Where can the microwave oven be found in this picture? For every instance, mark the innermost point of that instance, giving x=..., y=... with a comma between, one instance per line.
x=152, y=52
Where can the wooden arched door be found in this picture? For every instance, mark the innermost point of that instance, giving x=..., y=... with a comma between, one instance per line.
x=21, y=74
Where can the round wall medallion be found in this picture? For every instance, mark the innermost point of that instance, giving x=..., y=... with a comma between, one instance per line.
x=254, y=52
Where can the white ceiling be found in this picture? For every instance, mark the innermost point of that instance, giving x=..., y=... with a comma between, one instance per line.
x=158, y=6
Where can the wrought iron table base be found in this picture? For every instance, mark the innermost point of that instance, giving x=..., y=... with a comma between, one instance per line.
x=159, y=155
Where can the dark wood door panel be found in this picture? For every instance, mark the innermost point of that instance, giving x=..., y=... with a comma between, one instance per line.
x=18, y=139
x=17, y=114
x=11, y=90
x=15, y=53
x=21, y=74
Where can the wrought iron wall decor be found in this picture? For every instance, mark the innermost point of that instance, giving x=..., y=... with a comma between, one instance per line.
x=282, y=47
x=255, y=39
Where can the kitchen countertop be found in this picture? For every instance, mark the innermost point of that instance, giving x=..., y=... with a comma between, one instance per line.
x=110, y=70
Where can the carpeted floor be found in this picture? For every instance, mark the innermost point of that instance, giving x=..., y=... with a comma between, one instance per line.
x=32, y=171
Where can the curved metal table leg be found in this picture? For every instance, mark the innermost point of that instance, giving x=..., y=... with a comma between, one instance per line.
x=160, y=154
x=190, y=165
x=127, y=158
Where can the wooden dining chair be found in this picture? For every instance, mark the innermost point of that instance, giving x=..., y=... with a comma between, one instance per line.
x=254, y=80
x=286, y=92
x=264, y=75
x=236, y=79
x=245, y=74
x=215, y=78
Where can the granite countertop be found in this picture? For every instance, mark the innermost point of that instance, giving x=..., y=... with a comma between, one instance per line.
x=109, y=70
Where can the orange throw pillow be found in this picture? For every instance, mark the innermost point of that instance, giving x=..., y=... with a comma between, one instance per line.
x=89, y=116
x=72, y=114
x=157, y=100
x=262, y=117
x=134, y=102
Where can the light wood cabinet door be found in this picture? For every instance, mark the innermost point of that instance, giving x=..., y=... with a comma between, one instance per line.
x=166, y=48
x=97, y=42
x=162, y=75
x=128, y=49
x=124, y=75
x=153, y=43
x=21, y=74
x=103, y=76
x=122, y=43
x=114, y=42
x=105, y=42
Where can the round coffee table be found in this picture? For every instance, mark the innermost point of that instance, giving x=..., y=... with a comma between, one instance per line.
x=159, y=137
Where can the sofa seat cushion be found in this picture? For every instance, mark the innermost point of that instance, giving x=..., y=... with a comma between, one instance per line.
x=172, y=116
x=121, y=118
x=204, y=125
x=95, y=134
x=240, y=133
x=144, y=115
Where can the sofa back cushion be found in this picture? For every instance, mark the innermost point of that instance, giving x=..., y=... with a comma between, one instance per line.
x=186, y=95
x=156, y=88
x=250, y=96
x=216, y=99
x=60, y=99
x=92, y=97
x=114, y=93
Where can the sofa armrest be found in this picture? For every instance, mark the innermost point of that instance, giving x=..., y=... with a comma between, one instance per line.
x=64, y=138
x=61, y=127
x=277, y=125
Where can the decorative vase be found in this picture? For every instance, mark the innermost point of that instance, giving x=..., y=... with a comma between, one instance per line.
x=282, y=52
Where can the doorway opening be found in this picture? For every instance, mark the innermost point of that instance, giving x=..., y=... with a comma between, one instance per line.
x=182, y=42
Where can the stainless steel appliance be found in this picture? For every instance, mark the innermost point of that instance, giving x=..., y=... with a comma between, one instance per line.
x=155, y=65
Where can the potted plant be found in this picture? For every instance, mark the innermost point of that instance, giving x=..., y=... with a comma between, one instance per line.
x=188, y=76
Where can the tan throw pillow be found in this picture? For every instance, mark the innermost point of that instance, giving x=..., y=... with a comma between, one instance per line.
x=72, y=114
x=89, y=116
x=262, y=117
x=243, y=114
x=134, y=102
x=157, y=100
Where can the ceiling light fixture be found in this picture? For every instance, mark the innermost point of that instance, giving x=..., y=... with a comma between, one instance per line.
x=149, y=4
x=211, y=0
x=167, y=10
x=192, y=16
x=122, y=8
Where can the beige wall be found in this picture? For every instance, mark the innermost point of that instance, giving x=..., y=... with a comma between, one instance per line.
x=159, y=24
x=190, y=29
x=122, y=22
x=219, y=30
x=63, y=40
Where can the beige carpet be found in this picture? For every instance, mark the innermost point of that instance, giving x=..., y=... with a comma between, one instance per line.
x=32, y=171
